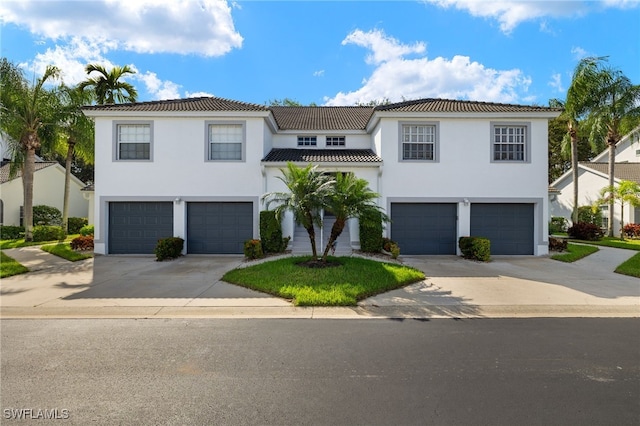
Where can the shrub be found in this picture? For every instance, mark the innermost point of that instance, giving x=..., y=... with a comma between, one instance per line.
x=47, y=215
x=586, y=214
x=271, y=233
x=47, y=233
x=371, y=232
x=557, y=225
x=8, y=232
x=253, y=249
x=82, y=243
x=387, y=243
x=74, y=224
x=631, y=230
x=86, y=230
x=168, y=248
x=395, y=251
x=585, y=231
x=557, y=244
x=477, y=248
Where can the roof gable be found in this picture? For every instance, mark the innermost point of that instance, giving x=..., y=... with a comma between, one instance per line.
x=622, y=171
x=6, y=168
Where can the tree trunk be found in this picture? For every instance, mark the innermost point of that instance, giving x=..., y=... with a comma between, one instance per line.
x=67, y=185
x=612, y=163
x=312, y=236
x=27, y=182
x=574, y=171
x=336, y=230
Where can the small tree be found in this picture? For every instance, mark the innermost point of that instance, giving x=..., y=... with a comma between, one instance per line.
x=627, y=192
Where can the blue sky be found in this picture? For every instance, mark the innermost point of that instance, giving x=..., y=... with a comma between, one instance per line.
x=327, y=52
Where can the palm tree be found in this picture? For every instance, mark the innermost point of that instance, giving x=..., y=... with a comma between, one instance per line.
x=627, y=192
x=308, y=190
x=27, y=117
x=77, y=137
x=350, y=198
x=107, y=85
x=612, y=99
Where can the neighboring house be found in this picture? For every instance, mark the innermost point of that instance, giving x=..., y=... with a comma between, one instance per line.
x=593, y=176
x=197, y=169
x=48, y=189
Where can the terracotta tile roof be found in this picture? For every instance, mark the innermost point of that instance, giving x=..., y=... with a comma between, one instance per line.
x=4, y=170
x=449, y=105
x=622, y=171
x=322, y=155
x=322, y=118
x=189, y=104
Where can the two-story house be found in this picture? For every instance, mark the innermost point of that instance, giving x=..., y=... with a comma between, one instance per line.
x=197, y=169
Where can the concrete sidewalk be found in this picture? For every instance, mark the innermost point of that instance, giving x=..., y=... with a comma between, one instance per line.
x=190, y=287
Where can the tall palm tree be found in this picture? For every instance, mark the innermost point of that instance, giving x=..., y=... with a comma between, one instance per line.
x=350, y=198
x=612, y=99
x=108, y=86
x=27, y=118
x=77, y=136
x=308, y=190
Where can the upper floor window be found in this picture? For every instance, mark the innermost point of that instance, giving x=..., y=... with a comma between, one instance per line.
x=509, y=143
x=307, y=140
x=335, y=141
x=133, y=141
x=419, y=142
x=225, y=142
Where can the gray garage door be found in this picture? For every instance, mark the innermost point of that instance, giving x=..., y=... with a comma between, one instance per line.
x=508, y=226
x=218, y=228
x=135, y=228
x=424, y=228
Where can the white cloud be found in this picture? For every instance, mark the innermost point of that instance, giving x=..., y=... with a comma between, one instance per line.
x=319, y=73
x=160, y=89
x=398, y=78
x=579, y=53
x=383, y=48
x=199, y=95
x=203, y=27
x=556, y=82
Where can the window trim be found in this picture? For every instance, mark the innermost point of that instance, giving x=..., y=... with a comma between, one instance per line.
x=436, y=143
x=243, y=149
x=305, y=137
x=343, y=145
x=116, y=143
x=527, y=142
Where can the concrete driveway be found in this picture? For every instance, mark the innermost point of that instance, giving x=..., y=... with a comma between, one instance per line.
x=137, y=286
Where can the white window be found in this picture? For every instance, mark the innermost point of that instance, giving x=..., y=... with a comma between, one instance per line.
x=225, y=142
x=307, y=140
x=509, y=143
x=335, y=141
x=133, y=141
x=604, y=211
x=419, y=142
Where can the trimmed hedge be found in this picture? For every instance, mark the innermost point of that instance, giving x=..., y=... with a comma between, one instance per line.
x=371, y=232
x=253, y=249
x=477, y=248
x=47, y=215
x=585, y=231
x=74, y=224
x=47, y=233
x=86, y=230
x=9, y=232
x=557, y=225
x=169, y=248
x=586, y=214
x=271, y=233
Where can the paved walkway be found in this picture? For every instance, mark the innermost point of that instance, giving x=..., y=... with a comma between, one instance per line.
x=139, y=287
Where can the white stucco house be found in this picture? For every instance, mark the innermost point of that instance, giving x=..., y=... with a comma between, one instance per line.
x=593, y=176
x=197, y=169
x=48, y=189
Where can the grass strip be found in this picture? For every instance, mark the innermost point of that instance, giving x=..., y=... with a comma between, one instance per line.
x=64, y=251
x=9, y=266
x=575, y=252
x=630, y=267
x=614, y=242
x=9, y=244
x=344, y=285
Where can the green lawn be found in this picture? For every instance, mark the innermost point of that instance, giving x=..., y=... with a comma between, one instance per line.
x=344, y=285
x=9, y=244
x=614, y=242
x=574, y=252
x=64, y=251
x=630, y=267
x=9, y=266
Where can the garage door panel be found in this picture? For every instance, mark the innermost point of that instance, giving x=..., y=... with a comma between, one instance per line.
x=136, y=227
x=509, y=226
x=424, y=228
x=218, y=227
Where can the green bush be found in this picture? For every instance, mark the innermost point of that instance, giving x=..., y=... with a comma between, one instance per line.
x=169, y=248
x=371, y=232
x=74, y=224
x=387, y=243
x=86, y=230
x=395, y=251
x=477, y=248
x=8, y=232
x=586, y=214
x=271, y=233
x=253, y=249
x=47, y=215
x=557, y=225
x=47, y=233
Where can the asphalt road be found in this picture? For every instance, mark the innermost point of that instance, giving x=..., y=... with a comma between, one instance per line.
x=322, y=372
